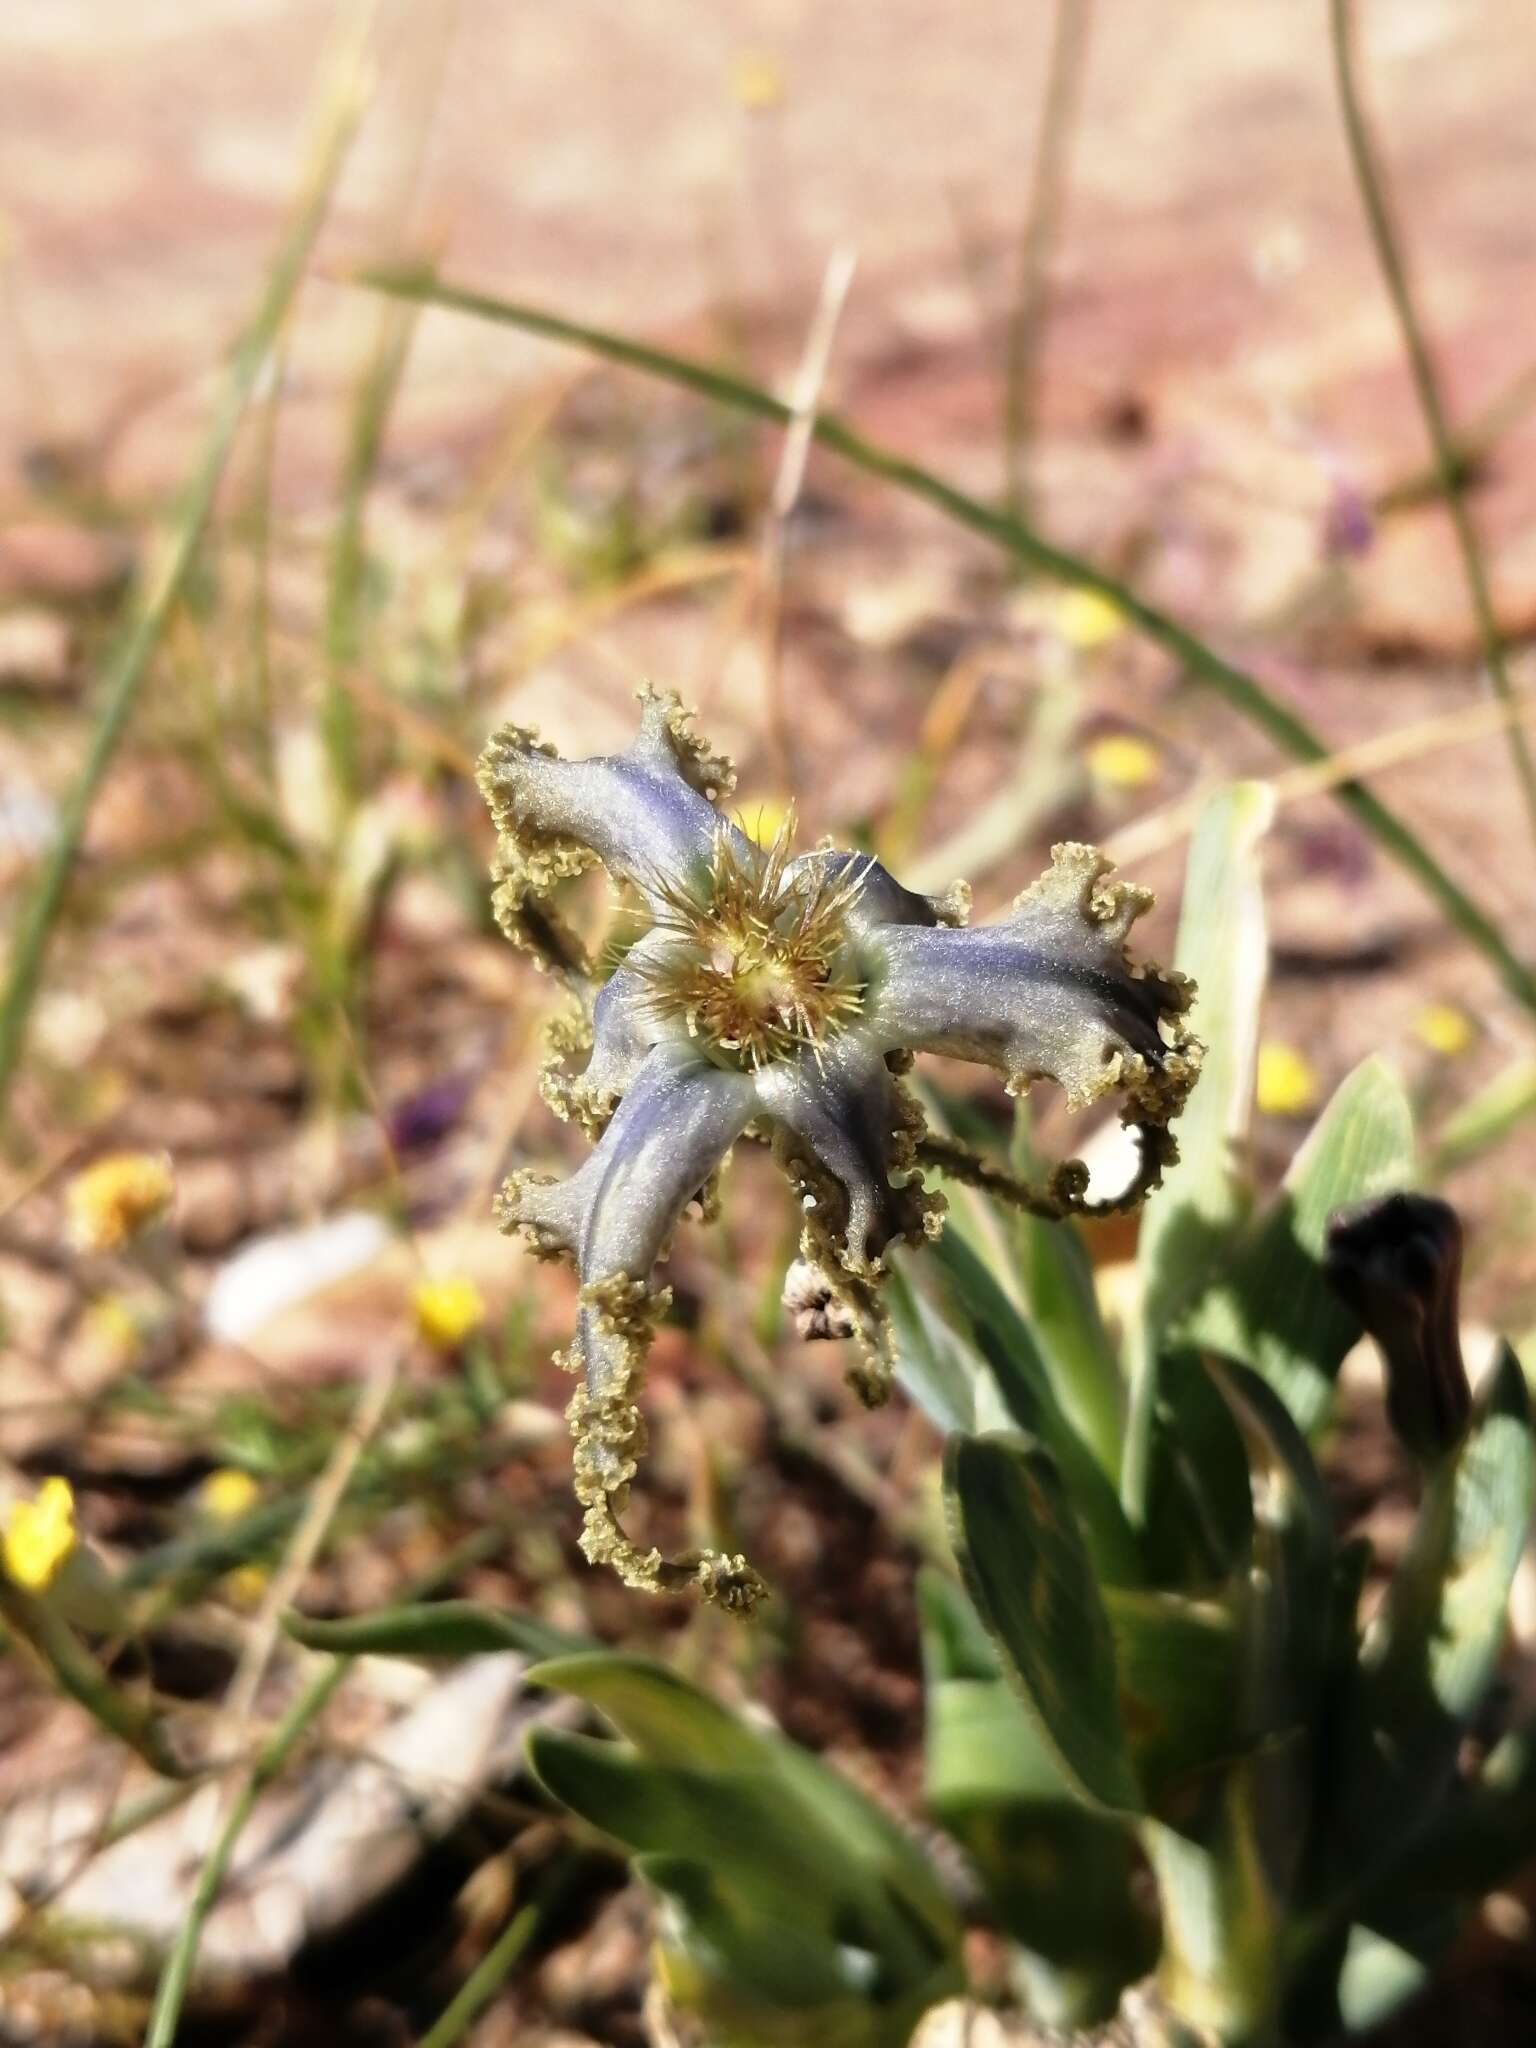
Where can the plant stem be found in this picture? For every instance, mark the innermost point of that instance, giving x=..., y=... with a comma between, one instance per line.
x=1448, y=463
x=1244, y=692
x=498, y=1962
x=171, y=1991
x=1026, y=319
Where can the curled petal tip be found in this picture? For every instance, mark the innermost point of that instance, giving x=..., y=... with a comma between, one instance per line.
x=545, y=1210
x=665, y=731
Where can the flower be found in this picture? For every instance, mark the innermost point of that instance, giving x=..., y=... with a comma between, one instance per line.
x=448, y=1311
x=1443, y=1029
x=247, y=1585
x=114, y=1201
x=227, y=1494
x=1287, y=1083
x=39, y=1536
x=1087, y=619
x=781, y=997
x=757, y=80
x=1122, y=761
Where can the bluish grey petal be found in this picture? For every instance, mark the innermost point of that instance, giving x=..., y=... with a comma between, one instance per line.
x=1047, y=992
x=615, y=1215
x=851, y=1115
x=625, y=1027
x=647, y=814
x=875, y=895
x=677, y=1121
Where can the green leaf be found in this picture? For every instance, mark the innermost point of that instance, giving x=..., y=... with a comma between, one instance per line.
x=1222, y=945
x=1058, y=1876
x=980, y=1746
x=936, y=1369
x=666, y=1718
x=1177, y=1666
x=728, y=1819
x=1057, y=1276
x=1496, y=1110
x=757, y=1982
x=1289, y=1614
x=1191, y=1220
x=772, y=1962
x=1271, y=1306
x=1027, y=1569
x=1199, y=1525
x=431, y=1628
x=1014, y=1386
x=1429, y=1656
x=1244, y=692
x=1289, y=1610
x=797, y=1836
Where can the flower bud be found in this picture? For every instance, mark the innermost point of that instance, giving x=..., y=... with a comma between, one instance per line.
x=1395, y=1261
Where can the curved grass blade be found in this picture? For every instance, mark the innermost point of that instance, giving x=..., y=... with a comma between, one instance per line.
x=1426, y=384
x=129, y=665
x=1244, y=692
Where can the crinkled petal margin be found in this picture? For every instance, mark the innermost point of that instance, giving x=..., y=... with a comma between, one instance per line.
x=613, y=1219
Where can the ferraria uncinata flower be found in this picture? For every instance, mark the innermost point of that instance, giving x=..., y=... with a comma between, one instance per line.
x=781, y=998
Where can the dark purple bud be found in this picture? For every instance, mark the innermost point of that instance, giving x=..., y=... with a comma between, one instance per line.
x=1349, y=530
x=1395, y=1261
x=425, y=1117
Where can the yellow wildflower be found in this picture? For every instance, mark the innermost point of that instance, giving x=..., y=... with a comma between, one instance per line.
x=757, y=81
x=247, y=1584
x=1287, y=1081
x=39, y=1536
x=1086, y=619
x=763, y=818
x=1444, y=1029
x=448, y=1311
x=228, y=1494
x=1121, y=761
x=113, y=1326
x=111, y=1202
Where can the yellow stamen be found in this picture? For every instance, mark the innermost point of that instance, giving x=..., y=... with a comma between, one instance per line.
x=760, y=970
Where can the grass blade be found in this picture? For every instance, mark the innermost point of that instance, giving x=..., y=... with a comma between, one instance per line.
x=1426, y=384
x=501, y=1958
x=171, y=1991
x=129, y=665
x=1244, y=692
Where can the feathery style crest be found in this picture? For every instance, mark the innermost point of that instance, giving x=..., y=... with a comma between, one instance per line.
x=782, y=997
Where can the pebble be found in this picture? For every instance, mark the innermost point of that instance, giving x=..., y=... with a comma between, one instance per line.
x=36, y=652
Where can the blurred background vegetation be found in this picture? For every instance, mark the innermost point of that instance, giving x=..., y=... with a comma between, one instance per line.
x=278, y=548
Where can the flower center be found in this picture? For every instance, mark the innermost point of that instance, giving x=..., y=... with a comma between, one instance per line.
x=762, y=969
